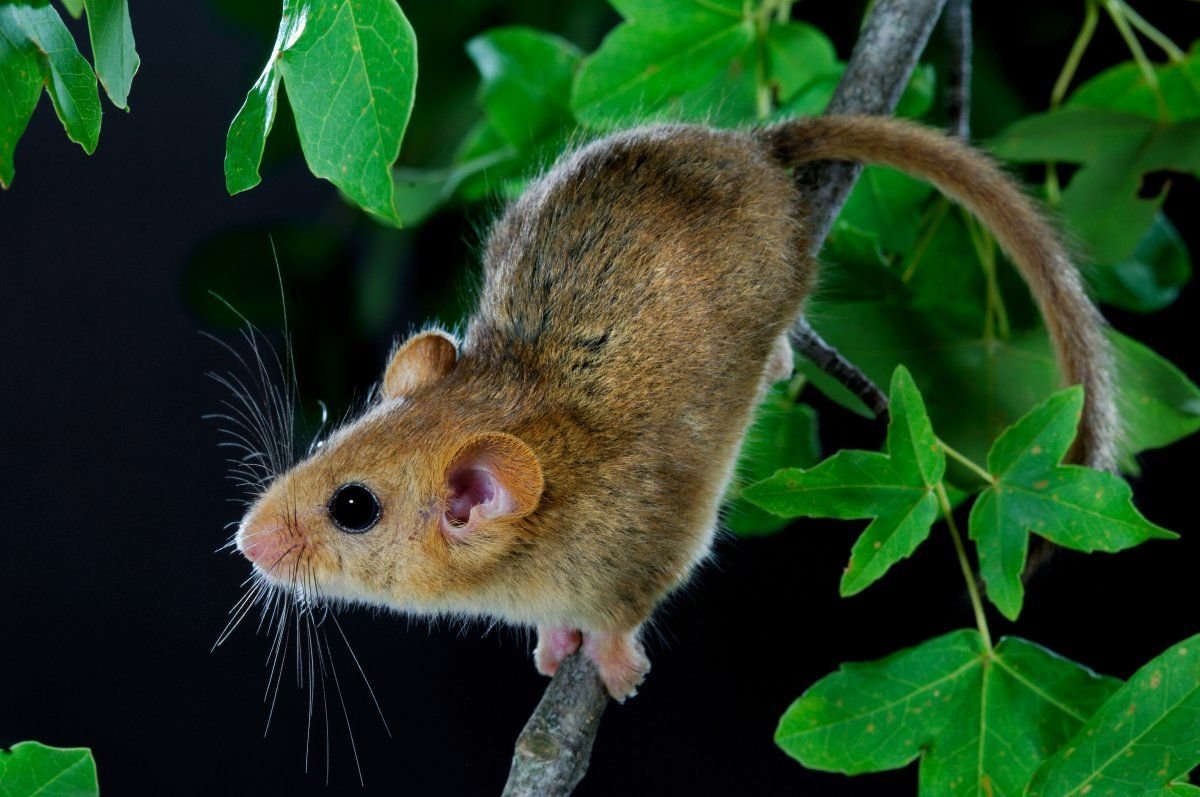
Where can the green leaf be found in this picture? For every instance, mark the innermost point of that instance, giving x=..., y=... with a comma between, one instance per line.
x=1151, y=277
x=20, y=87
x=1069, y=505
x=526, y=82
x=113, y=48
x=680, y=60
x=1142, y=738
x=896, y=489
x=975, y=387
x=981, y=721
x=74, y=7
x=1124, y=88
x=35, y=42
x=811, y=98
x=797, y=54
x=1156, y=402
x=350, y=69
x=30, y=768
x=783, y=435
x=1116, y=150
x=887, y=203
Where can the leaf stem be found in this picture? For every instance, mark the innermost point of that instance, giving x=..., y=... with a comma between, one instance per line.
x=1116, y=10
x=1082, y=40
x=965, y=564
x=966, y=461
x=1153, y=34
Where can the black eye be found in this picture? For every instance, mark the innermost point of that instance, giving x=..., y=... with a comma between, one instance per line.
x=354, y=508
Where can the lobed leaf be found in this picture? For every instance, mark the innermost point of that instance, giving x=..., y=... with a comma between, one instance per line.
x=30, y=768
x=980, y=721
x=1116, y=149
x=1144, y=737
x=895, y=489
x=1072, y=506
x=350, y=69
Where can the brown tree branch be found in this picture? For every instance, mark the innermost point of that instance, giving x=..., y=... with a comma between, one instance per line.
x=552, y=752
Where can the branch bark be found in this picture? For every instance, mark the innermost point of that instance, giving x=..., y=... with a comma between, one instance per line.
x=552, y=752
x=554, y=748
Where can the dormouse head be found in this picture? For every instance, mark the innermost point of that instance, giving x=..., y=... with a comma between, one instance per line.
x=411, y=505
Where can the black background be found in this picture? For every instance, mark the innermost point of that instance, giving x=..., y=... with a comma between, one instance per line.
x=113, y=494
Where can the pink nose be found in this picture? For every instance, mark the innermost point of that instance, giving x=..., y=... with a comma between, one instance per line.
x=264, y=541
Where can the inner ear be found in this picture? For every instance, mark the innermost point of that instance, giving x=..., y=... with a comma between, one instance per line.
x=494, y=475
x=424, y=358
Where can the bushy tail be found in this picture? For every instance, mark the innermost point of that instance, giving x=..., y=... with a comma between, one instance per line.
x=971, y=179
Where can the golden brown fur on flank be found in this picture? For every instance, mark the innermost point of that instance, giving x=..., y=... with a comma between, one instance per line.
x=563, y=466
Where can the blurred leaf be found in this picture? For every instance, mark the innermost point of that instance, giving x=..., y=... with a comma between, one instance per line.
x=35, y=49
x=981, y=722
x=895, y=489
x=1069, y=505
x=888, y=204
x=1151, y=278
x=943, y=271
x=350, y=67
x=918, y=95
x=1116, y=149
x=1156, y=402
x=812, y=97
x=526, y=82
x=1124, y=88
x=783, y=435
x=74, y=7
x=113, y=47
x=32, y=768
x=974, y=387
x=797, y=54
x=678, y=60
x=1142, y=738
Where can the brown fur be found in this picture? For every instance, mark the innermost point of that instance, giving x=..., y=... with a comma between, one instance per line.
x=633, y=305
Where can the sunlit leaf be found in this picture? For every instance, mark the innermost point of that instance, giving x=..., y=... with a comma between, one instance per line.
x=32, y=768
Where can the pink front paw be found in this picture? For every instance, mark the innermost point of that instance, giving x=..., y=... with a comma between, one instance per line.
x=554, y=645
x=621, y=660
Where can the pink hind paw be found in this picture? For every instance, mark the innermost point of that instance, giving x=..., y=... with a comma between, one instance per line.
x=622, y=661
x=554, y=645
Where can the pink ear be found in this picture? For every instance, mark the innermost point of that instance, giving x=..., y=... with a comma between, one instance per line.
x=492, y=476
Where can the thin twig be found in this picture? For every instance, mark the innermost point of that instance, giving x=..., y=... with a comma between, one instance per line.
x=812, y=347
x=552, y=752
